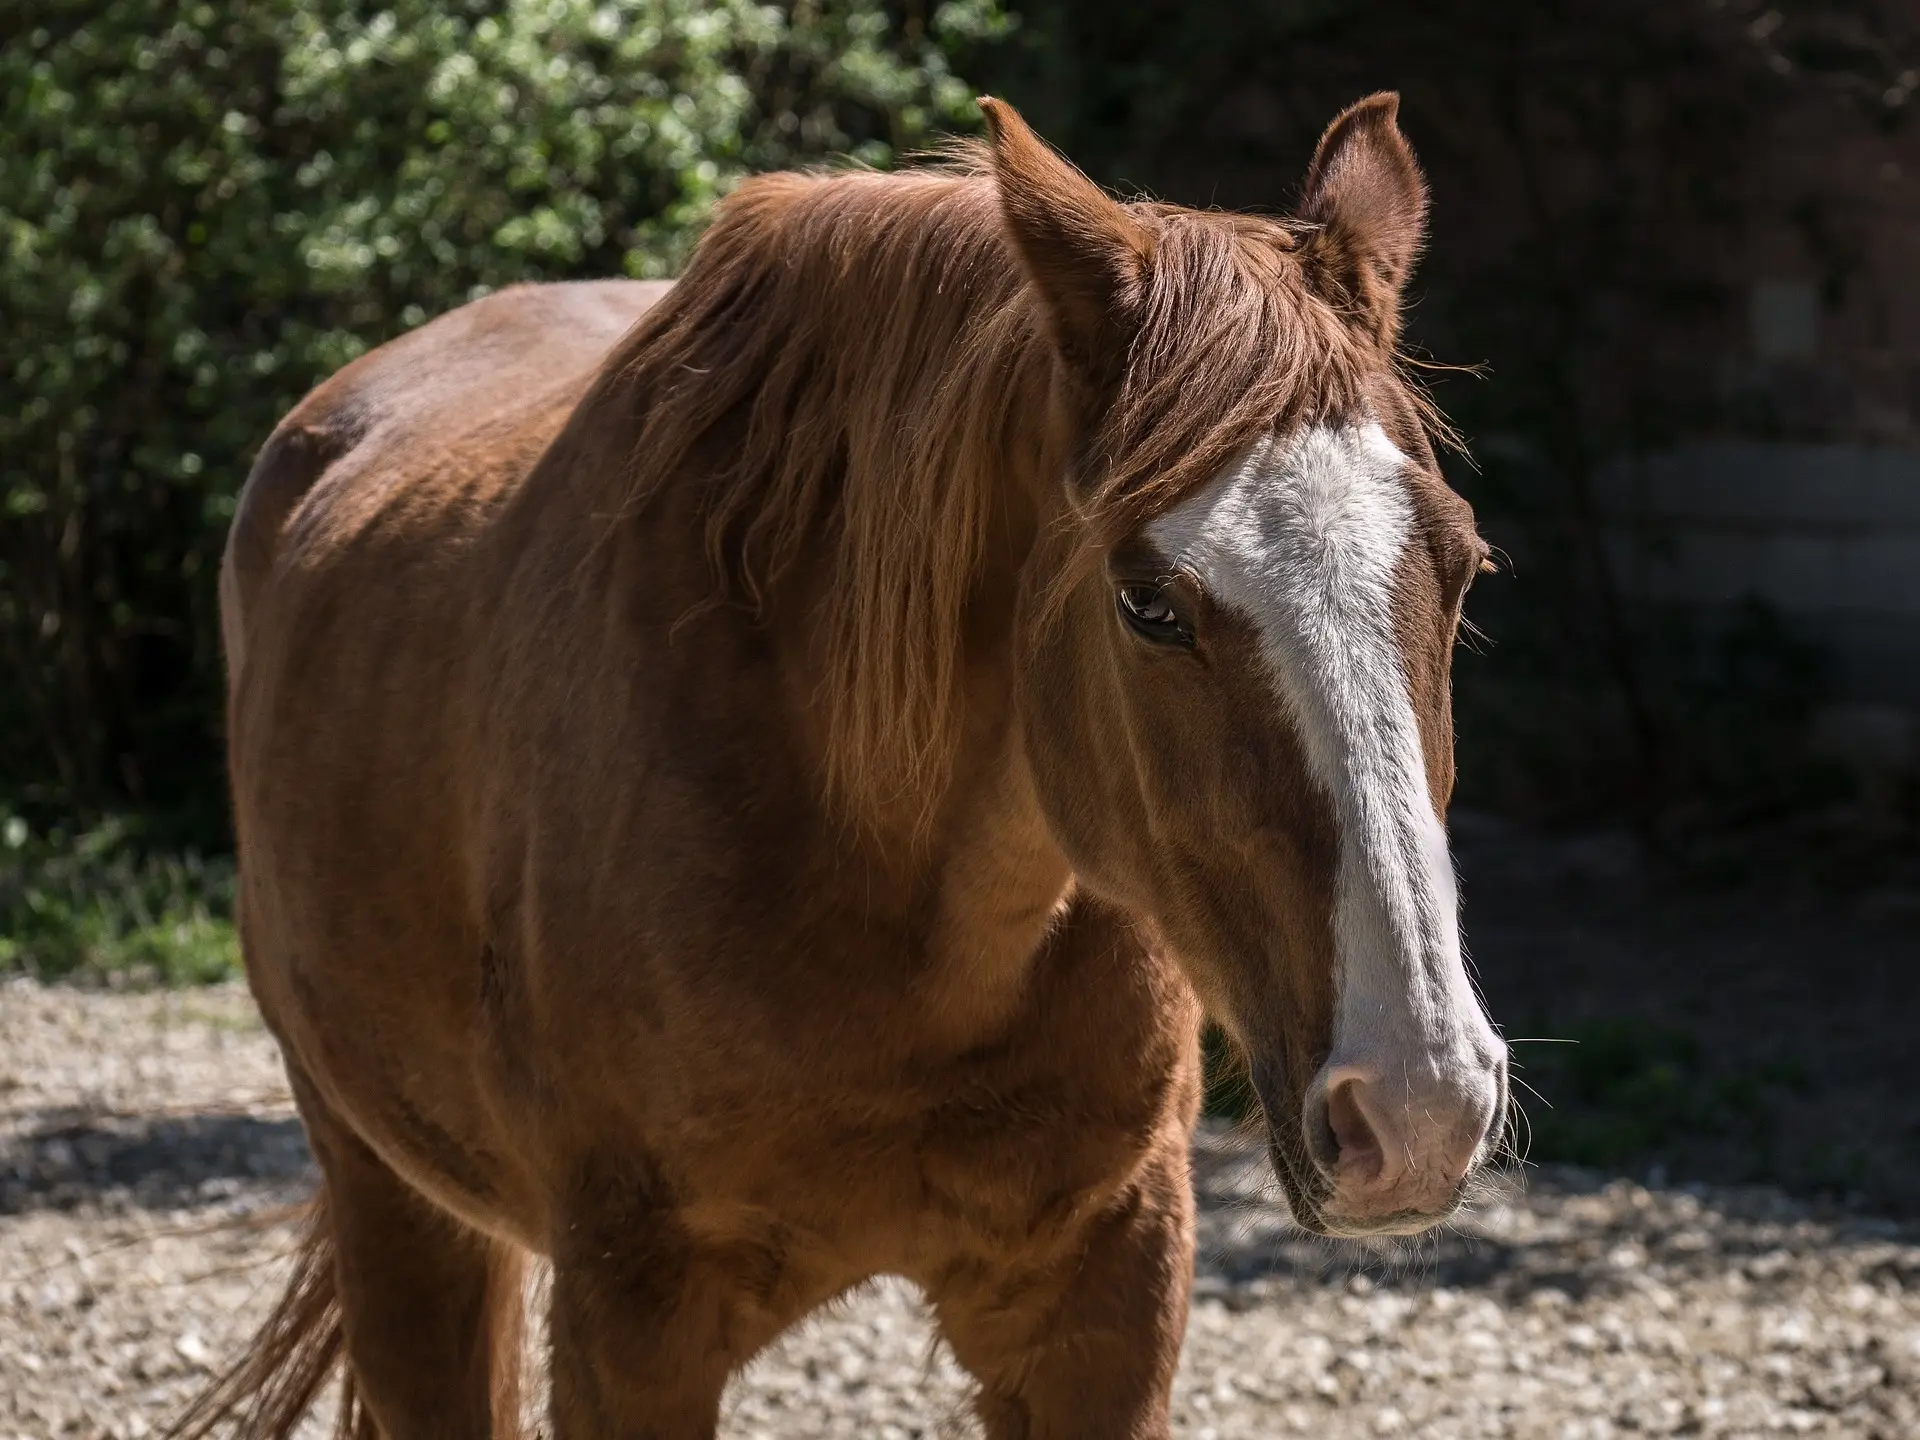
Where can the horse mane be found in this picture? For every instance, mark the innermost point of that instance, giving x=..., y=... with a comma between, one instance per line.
x=851, y=367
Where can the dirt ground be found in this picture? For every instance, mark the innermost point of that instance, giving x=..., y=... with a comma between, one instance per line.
x=146, y=1143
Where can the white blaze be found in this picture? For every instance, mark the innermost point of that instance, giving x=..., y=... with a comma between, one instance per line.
x=1302, y=536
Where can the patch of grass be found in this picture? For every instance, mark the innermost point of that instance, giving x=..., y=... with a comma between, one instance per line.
x=1838, y=1169
x=1618, y=1092
x=232, y=1022
x=101, y=906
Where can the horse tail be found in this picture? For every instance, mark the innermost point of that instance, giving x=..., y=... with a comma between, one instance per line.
x=267, y=1392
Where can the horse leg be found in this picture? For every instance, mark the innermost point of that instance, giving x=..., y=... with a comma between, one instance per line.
x=431, y=1309
x=646, y=1324
x=1086, y=1347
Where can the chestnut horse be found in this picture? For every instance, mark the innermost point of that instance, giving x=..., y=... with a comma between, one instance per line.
x=749, y=785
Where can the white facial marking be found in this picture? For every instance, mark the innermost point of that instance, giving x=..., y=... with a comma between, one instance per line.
x=1303, y=536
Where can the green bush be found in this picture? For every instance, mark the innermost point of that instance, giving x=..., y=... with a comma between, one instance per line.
x=102, y=906
x=205, y=208
x=1618, y=1092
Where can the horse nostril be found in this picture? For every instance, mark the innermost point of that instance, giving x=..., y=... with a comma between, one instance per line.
x=1322, y=1144
x=1342, y=1140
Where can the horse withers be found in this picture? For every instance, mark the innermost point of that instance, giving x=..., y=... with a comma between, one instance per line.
x=750, y=785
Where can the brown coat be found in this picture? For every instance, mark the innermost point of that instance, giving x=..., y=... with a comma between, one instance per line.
x=725, y=941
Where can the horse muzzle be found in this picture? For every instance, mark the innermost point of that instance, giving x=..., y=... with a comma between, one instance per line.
x=1377, y=1154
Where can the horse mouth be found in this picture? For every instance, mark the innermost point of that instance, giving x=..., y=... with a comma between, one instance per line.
x=1309, y=1188
x=1309, y=1191
x=1303, y=1184
x=1306, y=1186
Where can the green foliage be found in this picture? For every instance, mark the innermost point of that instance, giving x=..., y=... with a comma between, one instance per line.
x=205, y=208
x=1618, y=1092
x=102, y=906
x=1614, y=1093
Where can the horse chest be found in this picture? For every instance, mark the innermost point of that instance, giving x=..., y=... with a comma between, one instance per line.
x=1007, y=1149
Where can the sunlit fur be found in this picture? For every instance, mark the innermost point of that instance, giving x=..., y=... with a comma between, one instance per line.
x=835, y=364
x=1305, y=535
x=702, y=820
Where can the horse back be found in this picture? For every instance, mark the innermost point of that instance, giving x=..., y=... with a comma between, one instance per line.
x=514, y=361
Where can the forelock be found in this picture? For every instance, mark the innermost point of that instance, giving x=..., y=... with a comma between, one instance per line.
x=1231, y=344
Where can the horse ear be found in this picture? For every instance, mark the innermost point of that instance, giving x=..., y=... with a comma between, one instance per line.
x=1365, y=195
x=1084, y=253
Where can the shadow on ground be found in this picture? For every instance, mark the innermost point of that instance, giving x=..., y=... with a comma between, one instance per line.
x=1577, y=1232
x=148, y=1162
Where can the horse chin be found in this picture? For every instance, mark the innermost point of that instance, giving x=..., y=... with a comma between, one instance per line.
x=1305, y=1188
x=1383, y=1227
x=1309, y=1189
x=1310, y=1195
x=1308, y=1199
x=1305, y=1185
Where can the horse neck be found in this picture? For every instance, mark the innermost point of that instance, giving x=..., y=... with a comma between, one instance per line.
x=998, y=881
x=870, y=464
x=990, y=874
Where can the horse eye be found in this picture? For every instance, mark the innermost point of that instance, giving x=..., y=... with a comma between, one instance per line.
x=1148, y=613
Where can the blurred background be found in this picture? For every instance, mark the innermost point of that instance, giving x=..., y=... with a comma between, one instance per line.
x=1672, y=302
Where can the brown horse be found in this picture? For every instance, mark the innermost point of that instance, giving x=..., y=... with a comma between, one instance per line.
x=748, y=785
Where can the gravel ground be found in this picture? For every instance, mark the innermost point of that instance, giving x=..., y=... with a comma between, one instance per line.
x=147, y=1149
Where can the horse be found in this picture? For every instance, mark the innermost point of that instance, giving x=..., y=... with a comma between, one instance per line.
x=747, y=785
